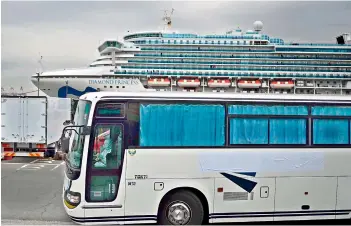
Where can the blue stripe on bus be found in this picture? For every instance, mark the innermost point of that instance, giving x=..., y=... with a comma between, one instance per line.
x=218, y=215
x=115, y=218
x=279, y=214
x=251, y=174
x=245, y=184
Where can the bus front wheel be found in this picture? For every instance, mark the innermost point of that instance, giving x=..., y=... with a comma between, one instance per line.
x=181, y=208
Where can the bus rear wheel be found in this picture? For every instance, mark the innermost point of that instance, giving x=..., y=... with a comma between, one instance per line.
x=181, y=208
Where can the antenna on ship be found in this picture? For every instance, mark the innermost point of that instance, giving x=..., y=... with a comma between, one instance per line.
x=40, y=63
x=167, y=19
x=258, y=26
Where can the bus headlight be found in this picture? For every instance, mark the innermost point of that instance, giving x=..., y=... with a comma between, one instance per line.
x=72, y=199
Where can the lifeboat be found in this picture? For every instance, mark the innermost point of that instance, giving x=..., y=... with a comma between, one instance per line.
x=253, y=84
x=282, y=84
x=189, y=82
x=220, y=83
x=159, y=82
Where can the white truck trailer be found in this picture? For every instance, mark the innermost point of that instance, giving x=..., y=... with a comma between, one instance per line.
x=32, y=125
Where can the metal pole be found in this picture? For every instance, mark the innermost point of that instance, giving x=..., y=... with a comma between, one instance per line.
x=38, y=83
x=66, y=88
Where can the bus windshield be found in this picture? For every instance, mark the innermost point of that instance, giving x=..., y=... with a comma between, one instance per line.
x=74, y=156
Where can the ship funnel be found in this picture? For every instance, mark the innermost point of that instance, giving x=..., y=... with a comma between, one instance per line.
x=343, y=39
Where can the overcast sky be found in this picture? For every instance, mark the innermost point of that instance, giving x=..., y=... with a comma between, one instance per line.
x=67, y=34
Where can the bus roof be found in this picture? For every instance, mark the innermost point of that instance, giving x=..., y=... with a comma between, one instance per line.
x=155, y=95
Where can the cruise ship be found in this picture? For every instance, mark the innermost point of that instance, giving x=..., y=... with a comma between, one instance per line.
x=236, y=61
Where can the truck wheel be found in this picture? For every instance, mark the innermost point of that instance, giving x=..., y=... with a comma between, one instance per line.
x=181, y=208
x=49, y=153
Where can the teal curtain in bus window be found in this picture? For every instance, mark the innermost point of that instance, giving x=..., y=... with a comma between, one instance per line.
x=182, y=125
x=331, y=111
x=267, y=110
x=248, y=131
x=330, y=131
x=287, y=131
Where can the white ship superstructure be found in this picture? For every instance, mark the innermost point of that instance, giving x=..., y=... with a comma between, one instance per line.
x=237, y=61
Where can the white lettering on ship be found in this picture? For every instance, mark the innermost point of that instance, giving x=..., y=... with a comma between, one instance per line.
x=114, y=82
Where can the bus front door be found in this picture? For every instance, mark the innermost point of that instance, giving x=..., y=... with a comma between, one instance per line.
x=105, y=190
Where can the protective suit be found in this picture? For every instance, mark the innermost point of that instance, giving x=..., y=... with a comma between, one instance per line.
x=105, y=149
x=111, y=150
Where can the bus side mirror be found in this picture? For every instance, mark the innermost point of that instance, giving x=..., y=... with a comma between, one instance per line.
x=64, y=144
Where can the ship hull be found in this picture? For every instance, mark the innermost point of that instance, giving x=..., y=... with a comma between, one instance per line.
x=75, y=87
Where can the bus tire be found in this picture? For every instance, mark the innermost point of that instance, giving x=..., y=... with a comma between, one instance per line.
x=182, y=207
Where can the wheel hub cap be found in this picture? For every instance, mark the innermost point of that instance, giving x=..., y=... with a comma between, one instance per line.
x=179, y=214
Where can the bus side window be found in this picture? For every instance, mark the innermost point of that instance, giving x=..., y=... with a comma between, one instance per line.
x=331, y=130
x=107, y=150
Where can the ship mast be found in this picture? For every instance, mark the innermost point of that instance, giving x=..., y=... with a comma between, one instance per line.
x=167, y=19
x=40, y=70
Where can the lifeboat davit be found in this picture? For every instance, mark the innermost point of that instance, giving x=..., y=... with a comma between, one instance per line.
x=184, y=82
x=219, y=83
x=159, y=82
x=282, y=84
x=253, y=84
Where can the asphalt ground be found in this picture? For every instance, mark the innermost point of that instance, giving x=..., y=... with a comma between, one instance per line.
x=31, y=192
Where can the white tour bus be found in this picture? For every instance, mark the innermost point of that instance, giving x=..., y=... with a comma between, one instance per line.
x=198, y=158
